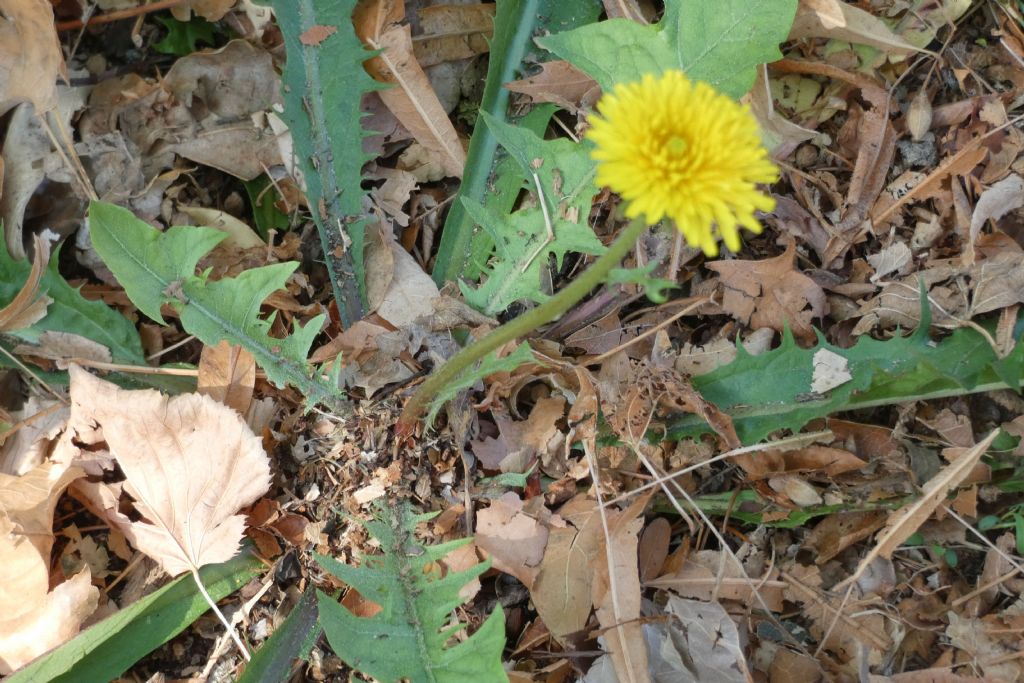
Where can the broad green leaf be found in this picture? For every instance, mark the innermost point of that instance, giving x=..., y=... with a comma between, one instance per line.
x=157, y=268
x=322, y=85
x=291, y=641
x=410, y=637
x=523, y=245
x=107, y=649
x=773, y=390
x=720, y=43
x=462, y=250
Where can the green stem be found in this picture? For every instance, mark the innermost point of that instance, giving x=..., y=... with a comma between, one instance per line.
x=524, y=324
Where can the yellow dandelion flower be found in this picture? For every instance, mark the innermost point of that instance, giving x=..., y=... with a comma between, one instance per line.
x=678, y=149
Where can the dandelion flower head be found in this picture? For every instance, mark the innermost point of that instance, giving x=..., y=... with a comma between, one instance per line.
x=679, y=149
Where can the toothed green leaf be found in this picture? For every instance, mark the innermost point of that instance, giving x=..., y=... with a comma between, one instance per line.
x=157, y=268
x=773, y=390
x=522, y=242
x=412, y=637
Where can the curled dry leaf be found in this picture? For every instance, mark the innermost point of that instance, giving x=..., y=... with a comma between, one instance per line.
x=189, y=462
x=30, y=55
x=33, y=618
x=771, y=293
x=28, y=306
x=841, y=21
x=412, y=101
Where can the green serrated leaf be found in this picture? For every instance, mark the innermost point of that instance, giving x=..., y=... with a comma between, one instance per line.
x=157, y=268
x=773, y=390
x=516, y=22
x=523, y=244
x=411, y=637
x=322, y=87
x=720, y=43
x=107, y=649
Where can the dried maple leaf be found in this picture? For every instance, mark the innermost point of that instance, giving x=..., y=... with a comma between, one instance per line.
x=771, y=293
x=190, y=463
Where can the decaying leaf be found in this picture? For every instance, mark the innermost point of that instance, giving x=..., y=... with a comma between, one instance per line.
x=617, y=593
x=189, y=462
x=412, y=100
x=842, y=21
x=451, y=32
x=905, y=521
x=34, y=618
x=227, y=374
x=771, y=293
x=559, y=82
x=30, y=56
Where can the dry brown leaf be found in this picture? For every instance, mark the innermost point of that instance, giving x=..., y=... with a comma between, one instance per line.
x=961, y=163
x=514, y=540
x=559, y=82
x=30, y=56
x=844, y=623
x=997, y=659
x=617, y=593
x=994, y=203
x=227, y=374
x=624, y=9
x=905, y=521
x=771, y=293
x=838, y=532
x=841, y=21
x=211, y=10
x=451, y=32
x=190, y=464
x=64, y=347
x=34, y=619
x=28, y=306
x=707, y=575
x=562, y=589
x=412, y=101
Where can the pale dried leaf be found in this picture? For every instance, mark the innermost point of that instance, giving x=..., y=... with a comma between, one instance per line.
x=905, y=521
x=842, y=21
x=30, y=56
x=830, y=371
x=994, y=203
x=227, y=374
x=617, y=594
x=64, y=347
x=190, y=464
x=699, y=644
x=514, y=540
x=562, y=589
x=412, y=100
x=239, y=235
x=889, y=260
x=55, y=618
x=919, y=115
x=450, y=32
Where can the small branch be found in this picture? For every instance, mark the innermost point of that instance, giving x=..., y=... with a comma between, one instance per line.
x=524, y=324
x=119, y=15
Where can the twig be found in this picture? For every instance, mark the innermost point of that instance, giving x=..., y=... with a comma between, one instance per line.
x=119, y=15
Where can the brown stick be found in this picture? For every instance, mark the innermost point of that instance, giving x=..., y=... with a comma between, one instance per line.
x=119, y=15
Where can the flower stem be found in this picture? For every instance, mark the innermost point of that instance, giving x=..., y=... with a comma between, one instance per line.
x=513, y=329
